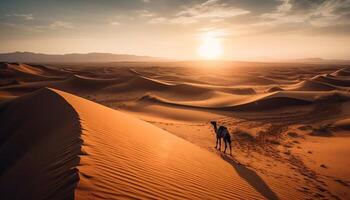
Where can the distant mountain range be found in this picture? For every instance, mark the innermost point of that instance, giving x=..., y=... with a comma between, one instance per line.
x=30, y=57
x=303, y=60
x=317, y=60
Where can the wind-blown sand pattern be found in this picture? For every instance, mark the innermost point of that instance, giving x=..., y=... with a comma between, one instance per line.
x=120, y=156
x=124, y=157
x=282, y=121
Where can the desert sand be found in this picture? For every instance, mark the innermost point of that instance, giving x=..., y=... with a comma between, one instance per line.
x=143, y=131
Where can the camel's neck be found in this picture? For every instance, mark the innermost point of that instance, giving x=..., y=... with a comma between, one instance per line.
x=215, y=128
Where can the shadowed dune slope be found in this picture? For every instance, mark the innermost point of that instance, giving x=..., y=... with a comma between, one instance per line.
x=47, y=135
x=39, y=147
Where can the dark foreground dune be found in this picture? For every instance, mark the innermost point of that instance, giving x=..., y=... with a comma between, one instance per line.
x=40, y=144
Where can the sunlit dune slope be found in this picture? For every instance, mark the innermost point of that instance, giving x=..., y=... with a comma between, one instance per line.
x=127, y=158
x=50, y=138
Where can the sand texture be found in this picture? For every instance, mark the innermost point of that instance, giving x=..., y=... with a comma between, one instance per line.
x=125, y=131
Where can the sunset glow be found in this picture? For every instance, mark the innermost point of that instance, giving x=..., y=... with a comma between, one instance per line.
x=170, y=29
x=210, y=49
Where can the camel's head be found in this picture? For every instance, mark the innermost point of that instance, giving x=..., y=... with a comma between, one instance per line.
x=213, y=123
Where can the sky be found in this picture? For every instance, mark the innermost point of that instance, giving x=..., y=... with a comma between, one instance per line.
x=179, y=29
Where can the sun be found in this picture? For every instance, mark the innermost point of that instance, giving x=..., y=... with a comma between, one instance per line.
x=210, y=48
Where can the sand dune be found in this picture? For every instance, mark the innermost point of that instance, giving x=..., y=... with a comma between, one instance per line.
x=253, y=80
x=140, y=85
x=136, y=86
x=282, y=121
x=74, y=83
x=274, y=89
x=138, y=82
x=312, y=85
x=337, y=81
x=82, y=84
x=23, y=88
x=324, y=82
x=27, y=73
x=254, y=102
x=343, y=124
x=342, y=72
x=114, y=155
x=135, y=82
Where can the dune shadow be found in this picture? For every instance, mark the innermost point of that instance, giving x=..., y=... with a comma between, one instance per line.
x=252, y=178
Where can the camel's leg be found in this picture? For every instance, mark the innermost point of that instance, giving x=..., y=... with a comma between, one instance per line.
x=220, y=144
x=230, y=148
x=217, y=140
x=225, y=146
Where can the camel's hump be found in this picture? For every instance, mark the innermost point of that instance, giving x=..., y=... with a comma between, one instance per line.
x=221, y=128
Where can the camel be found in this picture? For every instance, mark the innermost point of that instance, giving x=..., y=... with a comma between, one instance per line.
x=222, y=132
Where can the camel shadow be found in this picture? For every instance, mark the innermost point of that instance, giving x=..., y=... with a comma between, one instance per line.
x=252, y=178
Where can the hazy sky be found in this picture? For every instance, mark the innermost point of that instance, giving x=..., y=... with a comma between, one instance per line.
x=176, y=28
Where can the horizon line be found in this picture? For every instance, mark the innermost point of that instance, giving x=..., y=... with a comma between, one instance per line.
x=250, y=59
